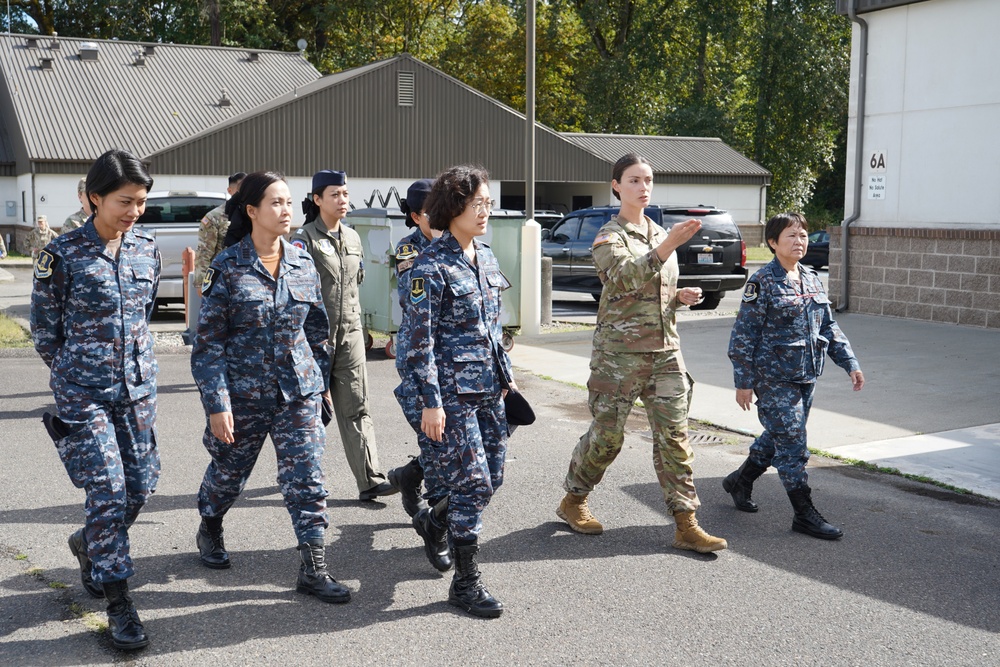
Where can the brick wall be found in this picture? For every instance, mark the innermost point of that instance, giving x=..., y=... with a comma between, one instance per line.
x=753, y=234
x=938, y=275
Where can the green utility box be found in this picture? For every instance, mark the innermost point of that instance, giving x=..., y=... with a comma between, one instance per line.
x=381, y=229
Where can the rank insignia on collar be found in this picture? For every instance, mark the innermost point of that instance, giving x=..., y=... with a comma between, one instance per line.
x=208, y=281
x=417, y=292
x=44, y=265
x=751, y=292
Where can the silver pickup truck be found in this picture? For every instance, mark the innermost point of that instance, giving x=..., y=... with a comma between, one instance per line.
x=173, y=218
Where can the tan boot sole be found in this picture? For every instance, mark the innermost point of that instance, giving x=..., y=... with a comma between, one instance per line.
x=678, y=544
x=582, y=531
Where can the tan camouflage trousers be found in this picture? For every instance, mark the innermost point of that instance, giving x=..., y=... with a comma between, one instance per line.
x=616, y=380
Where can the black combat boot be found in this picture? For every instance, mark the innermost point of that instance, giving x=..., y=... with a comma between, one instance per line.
x=807, y=519
x=210, y=545
x=124, y=625
x=79, y=550
x=408, y=479
x=313, y=576
x=434, y=532
x=467, y=589
x=739, y=484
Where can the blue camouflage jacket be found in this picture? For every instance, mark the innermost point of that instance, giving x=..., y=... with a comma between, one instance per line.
x=90, y=313
x=449, y=348
x=406, y=255
x=784, y=331
x=258, y=335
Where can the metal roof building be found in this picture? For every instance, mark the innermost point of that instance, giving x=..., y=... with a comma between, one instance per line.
x=678, y=159
x=65, y=101
x=195, y=114
x=391, y=119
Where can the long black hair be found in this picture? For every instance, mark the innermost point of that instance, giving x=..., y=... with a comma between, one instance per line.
x=309, y=206
x=251, y=193
x=113, y=170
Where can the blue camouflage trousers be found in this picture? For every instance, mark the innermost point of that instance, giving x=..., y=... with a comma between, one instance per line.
x=299, y=438
x=111, y=453
x=783, y=408
x=467, y=465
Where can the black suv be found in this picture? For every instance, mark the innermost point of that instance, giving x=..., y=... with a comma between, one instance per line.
x=714, y=260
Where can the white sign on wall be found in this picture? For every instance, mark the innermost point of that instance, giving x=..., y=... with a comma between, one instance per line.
x=876, y=186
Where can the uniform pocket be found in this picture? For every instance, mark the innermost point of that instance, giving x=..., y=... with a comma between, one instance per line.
x=145, y=362
x=87, y=364
x=473, y=370
x=78, y=452
x=304, y=292
x=790, y=360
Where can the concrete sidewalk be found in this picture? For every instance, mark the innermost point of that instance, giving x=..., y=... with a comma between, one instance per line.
x=930, y=404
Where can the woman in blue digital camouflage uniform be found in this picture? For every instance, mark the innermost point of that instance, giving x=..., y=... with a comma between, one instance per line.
x=260, y=360
x=782, y=334
x=455, y=374
x=93, y=296
x=409, y=477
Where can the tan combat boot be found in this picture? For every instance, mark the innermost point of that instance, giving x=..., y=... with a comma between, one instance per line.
x=690, y=536
x=574, y=511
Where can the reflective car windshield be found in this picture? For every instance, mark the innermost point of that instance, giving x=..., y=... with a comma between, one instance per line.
x=177, y=209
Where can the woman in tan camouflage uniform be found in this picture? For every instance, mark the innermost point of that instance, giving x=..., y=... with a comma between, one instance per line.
x=637, y=355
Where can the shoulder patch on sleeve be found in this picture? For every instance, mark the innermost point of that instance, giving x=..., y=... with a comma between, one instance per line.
x=751, y=291
x=209, y=280
x=601, y=239
x=45, y=264
x=299, y=243
x=417, y=292
x=406, y=251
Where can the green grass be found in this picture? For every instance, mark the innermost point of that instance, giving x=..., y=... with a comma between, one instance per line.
x=57, y=584
x=21, y=557
x=759, y=254
x=11, y=333
x=865, y=465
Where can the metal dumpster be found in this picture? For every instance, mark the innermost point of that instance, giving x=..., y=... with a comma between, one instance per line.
x=381, y=229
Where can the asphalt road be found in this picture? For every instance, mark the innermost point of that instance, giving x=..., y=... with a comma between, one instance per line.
x=914, y=582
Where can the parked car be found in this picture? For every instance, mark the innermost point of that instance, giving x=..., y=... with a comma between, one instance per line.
x=818, y=253
x=547, y=219
x=172, y=218
x=714, y=260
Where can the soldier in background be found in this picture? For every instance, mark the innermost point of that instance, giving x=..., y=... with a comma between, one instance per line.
x=637, y=355
x=781, y=336
x=455, y=374
x=40, y=236
x=93, y=295
x=77, y=219
x=409, y=477
x=336, y=250
x=212, y=232
x=3, y=247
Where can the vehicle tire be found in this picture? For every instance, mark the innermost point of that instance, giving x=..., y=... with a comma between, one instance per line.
x=710, y=302
x=507, y=342
x=390, y=348
x=369, y=340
